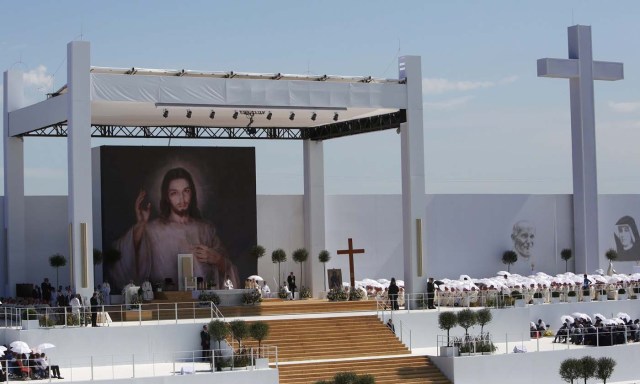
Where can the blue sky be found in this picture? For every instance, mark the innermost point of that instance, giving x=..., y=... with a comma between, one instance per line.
x=491, y=126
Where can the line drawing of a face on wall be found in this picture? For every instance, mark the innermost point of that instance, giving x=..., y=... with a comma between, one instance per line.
x=626, y=236
x=523, y=236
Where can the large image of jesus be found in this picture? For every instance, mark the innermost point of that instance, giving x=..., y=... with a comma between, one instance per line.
x=166, y=216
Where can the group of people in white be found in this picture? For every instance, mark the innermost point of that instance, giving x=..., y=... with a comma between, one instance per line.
x=539, y=288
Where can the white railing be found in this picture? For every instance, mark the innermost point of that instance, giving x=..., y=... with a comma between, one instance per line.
x=127, y=366
x=125, y=314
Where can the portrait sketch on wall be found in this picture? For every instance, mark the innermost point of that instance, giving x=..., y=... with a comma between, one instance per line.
x=158, y=202
x=626, y=237
x=335, y=278
x=523, y=236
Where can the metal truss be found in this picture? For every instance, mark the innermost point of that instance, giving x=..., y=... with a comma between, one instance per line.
x=329, y=131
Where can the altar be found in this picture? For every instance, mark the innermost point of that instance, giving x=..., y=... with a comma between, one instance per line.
x=228, y=297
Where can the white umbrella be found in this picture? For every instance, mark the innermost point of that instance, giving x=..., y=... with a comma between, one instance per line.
x=2, y=348
x=599, y=316
x=566, y=318
x=255, y=277
x=44, y=346
x=623, y=316
x=502, y=273
x=21, y=348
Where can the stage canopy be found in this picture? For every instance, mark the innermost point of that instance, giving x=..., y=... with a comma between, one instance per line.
x=145, y=103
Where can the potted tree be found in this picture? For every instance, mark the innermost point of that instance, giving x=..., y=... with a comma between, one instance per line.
x=508, y=258
x=324, y=256
x=258, y=251
x=218, y=330
x=446, y=321
x=57, y=261
x=259, y=331
x=587, y=366
x=566, y=254
x=555, y=297
x=570, y=370
x=604, y=369
x=300, y=255
x=571, y=296
x=483, y=317
x=602, y=293
x=279, y=256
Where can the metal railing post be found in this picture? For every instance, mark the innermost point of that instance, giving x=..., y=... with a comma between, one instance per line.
x=133, y=365
x=139, y=315
x=91, y=367
x=175, y=310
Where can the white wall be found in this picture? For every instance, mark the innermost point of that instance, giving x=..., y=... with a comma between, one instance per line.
x=464, y=233
x=280, y=225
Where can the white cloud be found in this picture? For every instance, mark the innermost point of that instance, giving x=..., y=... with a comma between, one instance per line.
x=38, y=78
x=448, y=104
x=625, y=107
x=436, y=86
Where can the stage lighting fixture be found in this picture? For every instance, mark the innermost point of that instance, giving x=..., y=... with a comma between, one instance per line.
x=269, y=115
x=165, y=113
x=212, y=115
x=292, y=116
x=314, y=116
x=188, y=113
x=335, y=116
x=235, y=115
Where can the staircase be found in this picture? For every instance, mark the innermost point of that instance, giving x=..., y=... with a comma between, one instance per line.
x=393, y=370
x=364, y=341
x=331, y=338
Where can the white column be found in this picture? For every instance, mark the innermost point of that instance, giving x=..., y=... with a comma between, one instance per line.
x=14, y=263
x=413, y=179
x=79, y=166
x=314, y=229
x=583, y=134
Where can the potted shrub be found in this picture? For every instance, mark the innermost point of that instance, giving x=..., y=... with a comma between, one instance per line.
x=337, y=295
x=206, y=297
x=467, y=319
x=571, y=296
x=355, y=295
x=282, y=293
x=518, y=298
x=300, y=255
x=483, y=317
x=446, y=321
x=57, y=261
x=555, y=297
x=305, y=293
x=622, y=294
x=252, y=297
x=279, y=256
x=604, y=369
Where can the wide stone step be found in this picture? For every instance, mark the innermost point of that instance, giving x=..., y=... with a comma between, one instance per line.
x=389, y=370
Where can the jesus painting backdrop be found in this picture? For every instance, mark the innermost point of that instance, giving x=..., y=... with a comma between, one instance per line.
x=158, y=202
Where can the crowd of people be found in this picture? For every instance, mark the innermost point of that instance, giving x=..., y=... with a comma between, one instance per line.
x=26, y=366
x=581, y=329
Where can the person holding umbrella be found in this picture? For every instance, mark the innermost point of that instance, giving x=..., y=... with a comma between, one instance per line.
x=431, y=290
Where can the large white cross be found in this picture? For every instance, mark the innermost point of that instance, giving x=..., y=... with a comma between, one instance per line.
x=581, y=70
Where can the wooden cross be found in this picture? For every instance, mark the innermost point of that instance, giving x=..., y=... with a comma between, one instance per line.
x=351, y=252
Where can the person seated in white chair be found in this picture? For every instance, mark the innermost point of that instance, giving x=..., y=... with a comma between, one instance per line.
x=266, y=291
x=285, y=288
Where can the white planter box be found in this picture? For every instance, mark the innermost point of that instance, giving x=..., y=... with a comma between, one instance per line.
x=30, y=324
x=572, y=299
x=622, y=296
x=602, y=298
x=555, y=300
x=520, y=303
x=262, y=363
x=449, y=351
